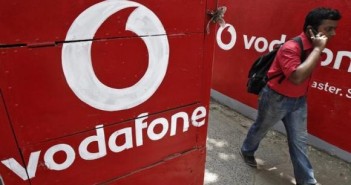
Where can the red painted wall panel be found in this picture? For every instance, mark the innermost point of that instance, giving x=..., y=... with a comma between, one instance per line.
x=134, y=150
x=255, y=25
x=55, y=54
x=33, y=111
x=172, y=172
x=8, y=147
x=38, y=21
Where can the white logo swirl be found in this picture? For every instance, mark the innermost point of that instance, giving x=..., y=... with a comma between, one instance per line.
x=232, y=32
x=77, y=64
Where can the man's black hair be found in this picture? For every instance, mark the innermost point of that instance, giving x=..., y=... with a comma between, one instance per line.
x=315, y=17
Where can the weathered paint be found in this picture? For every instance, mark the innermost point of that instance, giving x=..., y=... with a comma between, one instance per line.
x=97, y=92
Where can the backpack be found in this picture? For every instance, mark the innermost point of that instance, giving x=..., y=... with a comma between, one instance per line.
x=257, y=77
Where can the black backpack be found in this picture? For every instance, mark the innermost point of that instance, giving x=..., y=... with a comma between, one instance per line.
x=258, y=71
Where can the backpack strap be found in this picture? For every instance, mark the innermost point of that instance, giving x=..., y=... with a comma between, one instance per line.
x=303, y=53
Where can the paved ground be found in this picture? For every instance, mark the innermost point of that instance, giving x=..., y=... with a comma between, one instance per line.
x=224, y=166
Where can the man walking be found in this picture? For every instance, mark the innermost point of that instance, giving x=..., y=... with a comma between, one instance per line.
x=285, y=98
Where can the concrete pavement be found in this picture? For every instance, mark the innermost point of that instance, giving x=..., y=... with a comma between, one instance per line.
x=224, y=166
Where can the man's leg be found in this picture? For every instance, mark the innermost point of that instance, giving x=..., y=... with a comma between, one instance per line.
x=296, y=128
x=270, y=111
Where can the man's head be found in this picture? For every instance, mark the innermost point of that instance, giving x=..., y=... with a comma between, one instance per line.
x=323, y=20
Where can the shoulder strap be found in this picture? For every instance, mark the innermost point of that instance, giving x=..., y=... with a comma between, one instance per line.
x=299, y=41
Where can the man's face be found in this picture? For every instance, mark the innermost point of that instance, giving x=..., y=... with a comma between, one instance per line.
x=328, y=28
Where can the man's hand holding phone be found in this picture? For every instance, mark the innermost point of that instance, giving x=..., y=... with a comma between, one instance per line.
x=319, y=40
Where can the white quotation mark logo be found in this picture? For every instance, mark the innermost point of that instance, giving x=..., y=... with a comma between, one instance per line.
x=232, y=41
x=77, y=63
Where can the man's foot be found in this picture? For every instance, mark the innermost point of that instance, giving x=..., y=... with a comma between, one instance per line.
x=249, y=160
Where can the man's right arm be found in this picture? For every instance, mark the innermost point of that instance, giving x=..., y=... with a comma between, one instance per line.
x=304, y=70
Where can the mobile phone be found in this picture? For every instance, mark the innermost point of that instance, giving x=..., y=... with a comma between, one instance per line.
x=315, y=32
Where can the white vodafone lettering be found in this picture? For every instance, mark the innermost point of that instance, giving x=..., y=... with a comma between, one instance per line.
x=339, y=57
x=232, y=32
x=19, y=170
x=185, y=118
x=127, y=132
x=139, y=126
x=248, y=43
x=199, y=113
x=261, y=44
x=329, y=58
x=100, y=139
x=151, y=129
x=77, y=63
x=198, y=119
x=50, y=161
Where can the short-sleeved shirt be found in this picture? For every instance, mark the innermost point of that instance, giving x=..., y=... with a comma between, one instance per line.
x=287, y=60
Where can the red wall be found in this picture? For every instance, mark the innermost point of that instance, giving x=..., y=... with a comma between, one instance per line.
x=256, y=25
x=88, y=97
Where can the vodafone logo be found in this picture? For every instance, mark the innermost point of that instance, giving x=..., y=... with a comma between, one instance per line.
x=261, y=44
x=80, y=76
x=232, y=33
x=77, y=62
